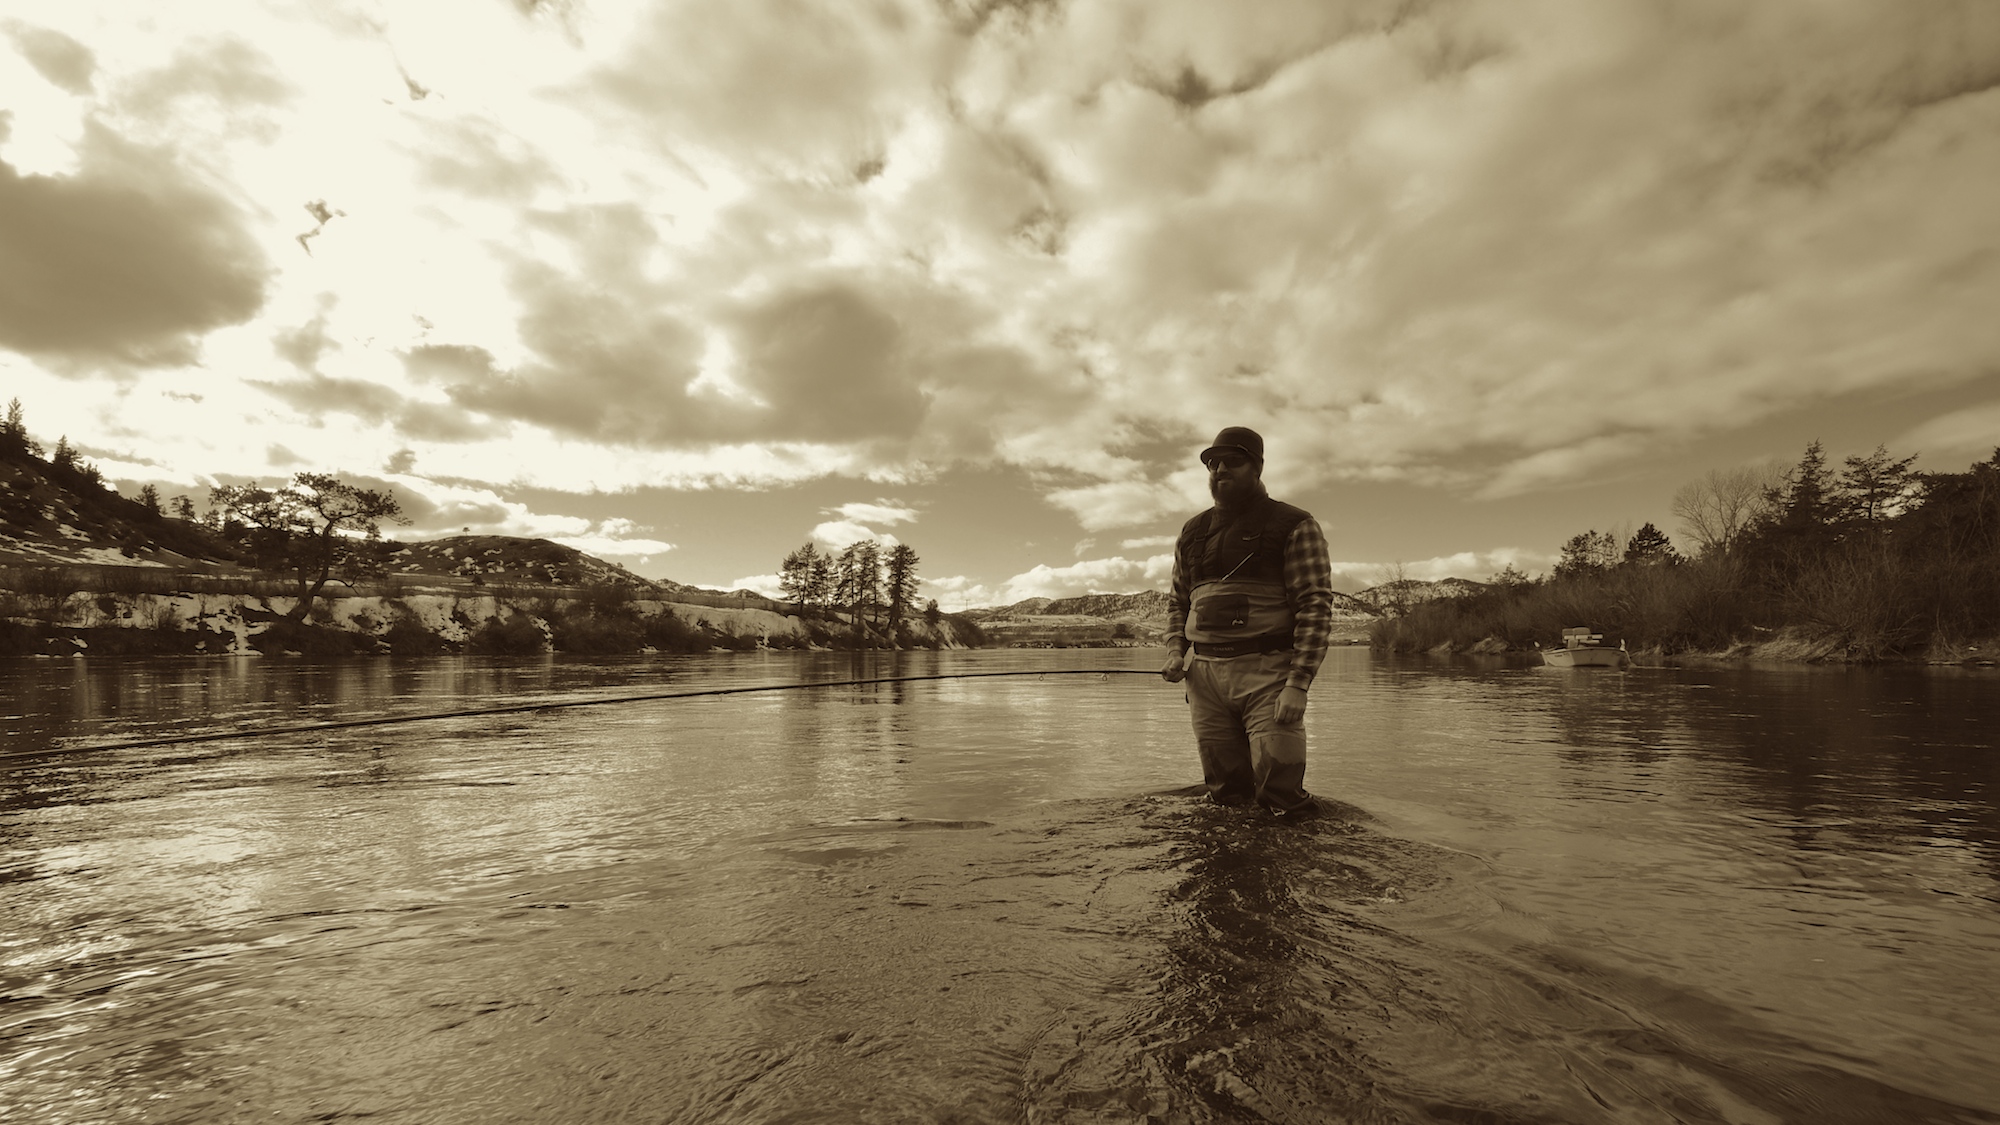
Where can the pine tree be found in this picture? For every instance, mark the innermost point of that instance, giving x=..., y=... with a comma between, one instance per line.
x=1649, y=546
x=13, y=431
x=1799, y=524
x=1876, y=487
x=820, y=580
x=901, y=583
x=311, y=527
x=149, y=499
x=795, y=574
x=1807, y=492
x=1587, y=553
x=858, y=580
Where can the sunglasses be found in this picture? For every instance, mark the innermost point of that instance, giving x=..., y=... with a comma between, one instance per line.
x=1227, y=461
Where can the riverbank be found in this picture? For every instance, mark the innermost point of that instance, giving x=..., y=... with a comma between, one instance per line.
x=1797, y=648
x=1784, y=646
x=423, y=622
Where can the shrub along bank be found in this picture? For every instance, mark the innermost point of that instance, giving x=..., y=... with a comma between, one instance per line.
x=1875, y=563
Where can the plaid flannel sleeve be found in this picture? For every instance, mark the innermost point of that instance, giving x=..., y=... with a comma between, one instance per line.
x=1309, y=586
x=1177, y=607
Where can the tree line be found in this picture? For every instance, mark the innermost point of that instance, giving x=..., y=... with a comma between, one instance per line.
x=313, y=529
x=1871, y=560
x=318, y=529
x=875, y=587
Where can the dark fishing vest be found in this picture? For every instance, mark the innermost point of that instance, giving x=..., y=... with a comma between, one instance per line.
x=1235, y=567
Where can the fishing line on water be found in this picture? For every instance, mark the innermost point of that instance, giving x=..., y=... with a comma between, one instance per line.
x=559, y=704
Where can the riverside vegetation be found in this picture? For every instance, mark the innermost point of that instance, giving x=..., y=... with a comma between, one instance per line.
x=1873, y=562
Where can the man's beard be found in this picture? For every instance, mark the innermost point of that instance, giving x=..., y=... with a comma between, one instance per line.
x=1245, y=494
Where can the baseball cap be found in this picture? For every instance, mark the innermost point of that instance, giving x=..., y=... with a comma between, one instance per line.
x=1240, y=439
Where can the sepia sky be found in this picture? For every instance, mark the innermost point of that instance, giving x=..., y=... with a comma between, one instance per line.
x=685, y=284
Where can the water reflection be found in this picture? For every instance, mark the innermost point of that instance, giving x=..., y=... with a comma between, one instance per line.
x=1268, y=966
x=1899, y=758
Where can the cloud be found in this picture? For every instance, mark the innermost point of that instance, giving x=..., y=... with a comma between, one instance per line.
x=828, y=364
x=225, y=73
x=797, y=89
x=860, y=521
x=316, y=395
x=129, y=261
x=609, y=365
x=1973, y=431
x=448, y=363
x=1451, y=245
x=1116, y=575
x=1475, y=566
x=303, y=346
x=1122, y=503
x=435, y=508
x=840, y=534
x=880, y=512
x=1585, y=461
x=1383, y=239
x=482, y=159
x=55, y=56
x=1120, y=575
x=603, y=545
x=769, y=585
x=618, y=356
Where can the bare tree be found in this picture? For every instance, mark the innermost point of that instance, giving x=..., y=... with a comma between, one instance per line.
x=1715, y=508
x=1394, y=591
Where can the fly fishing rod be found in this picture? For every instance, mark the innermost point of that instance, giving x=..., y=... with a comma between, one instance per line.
x=559, y=704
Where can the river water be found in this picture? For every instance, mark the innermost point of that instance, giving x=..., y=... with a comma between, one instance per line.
x=1713, y=895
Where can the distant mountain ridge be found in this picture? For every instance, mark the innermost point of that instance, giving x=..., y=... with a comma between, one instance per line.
x=1413, y=591
x=1141, y=617
x=1150, y=603
x=1145, y=603
x=509, y=558
x=51, y=517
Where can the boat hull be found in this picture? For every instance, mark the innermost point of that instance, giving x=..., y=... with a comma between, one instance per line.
x=1585, y=657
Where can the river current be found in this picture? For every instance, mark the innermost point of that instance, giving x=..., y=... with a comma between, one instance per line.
x=1664, y=895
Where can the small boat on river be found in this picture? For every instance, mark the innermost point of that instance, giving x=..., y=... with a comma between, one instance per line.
x=1582, y=648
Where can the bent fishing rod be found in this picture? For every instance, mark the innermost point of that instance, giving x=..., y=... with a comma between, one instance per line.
x=561, y=704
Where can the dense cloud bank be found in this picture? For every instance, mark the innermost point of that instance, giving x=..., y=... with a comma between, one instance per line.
x=1482, y=248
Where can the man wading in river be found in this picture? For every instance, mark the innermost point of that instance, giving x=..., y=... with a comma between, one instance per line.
x=1253, y=600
